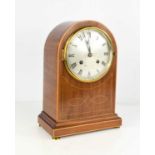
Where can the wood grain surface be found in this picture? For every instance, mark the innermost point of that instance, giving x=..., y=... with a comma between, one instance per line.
x=71, y=106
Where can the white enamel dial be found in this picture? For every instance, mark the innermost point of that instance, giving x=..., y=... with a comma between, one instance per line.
x=88, y=54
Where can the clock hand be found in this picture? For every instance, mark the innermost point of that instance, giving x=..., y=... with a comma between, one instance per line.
x=89, y=49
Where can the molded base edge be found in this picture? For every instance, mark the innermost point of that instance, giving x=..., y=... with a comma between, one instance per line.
x=59, y=131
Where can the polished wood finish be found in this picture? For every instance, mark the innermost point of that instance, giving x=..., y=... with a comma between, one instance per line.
x=71, y=106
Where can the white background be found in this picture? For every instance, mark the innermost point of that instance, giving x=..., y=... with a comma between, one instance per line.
x=34, y=20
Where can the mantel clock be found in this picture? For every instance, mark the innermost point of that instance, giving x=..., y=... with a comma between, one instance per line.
x=79, y=79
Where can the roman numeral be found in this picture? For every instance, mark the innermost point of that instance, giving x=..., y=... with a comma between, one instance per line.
x=71, y=55
x=109, y=47
x=103, y=44
x=83, y=35
x=89, y=74
x=106, y=53
x=97, y=70
x=73, y=65
x=73, y=45
x=89, y=34
x=80, y=71
x=103, y=63
x=80, y=37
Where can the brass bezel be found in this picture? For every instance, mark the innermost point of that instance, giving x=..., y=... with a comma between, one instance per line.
x=102, y=32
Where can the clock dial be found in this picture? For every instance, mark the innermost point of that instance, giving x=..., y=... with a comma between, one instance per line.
x=88, y=54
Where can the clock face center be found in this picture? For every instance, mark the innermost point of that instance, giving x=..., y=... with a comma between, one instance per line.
x=88, y=54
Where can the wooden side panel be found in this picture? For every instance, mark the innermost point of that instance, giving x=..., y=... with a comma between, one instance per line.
x=51, y=76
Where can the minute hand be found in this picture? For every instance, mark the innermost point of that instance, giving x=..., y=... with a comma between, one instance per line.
x=89, y=49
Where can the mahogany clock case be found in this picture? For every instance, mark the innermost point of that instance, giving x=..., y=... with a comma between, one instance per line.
x=70, y=106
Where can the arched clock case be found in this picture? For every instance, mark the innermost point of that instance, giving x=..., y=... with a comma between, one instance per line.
x=70, y=105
